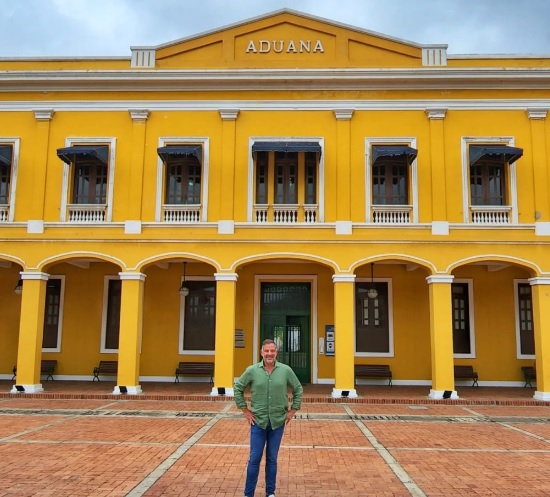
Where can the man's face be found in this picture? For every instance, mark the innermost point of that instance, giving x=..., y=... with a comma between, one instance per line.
x=269, y=353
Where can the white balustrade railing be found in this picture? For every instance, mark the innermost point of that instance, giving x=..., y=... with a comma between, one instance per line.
x=181, y=214
x=4, y=213
x=286, y=213
x=490, y=214
x=87, y=213
x=391, y=214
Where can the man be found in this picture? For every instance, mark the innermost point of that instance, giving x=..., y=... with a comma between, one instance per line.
x=268, y=413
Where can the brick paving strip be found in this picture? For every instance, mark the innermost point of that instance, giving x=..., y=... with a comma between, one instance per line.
x=397, y=469
x=163, y=467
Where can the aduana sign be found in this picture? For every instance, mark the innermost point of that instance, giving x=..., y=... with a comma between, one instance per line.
x=285, y=46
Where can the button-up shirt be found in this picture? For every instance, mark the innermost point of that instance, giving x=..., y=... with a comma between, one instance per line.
x=269, y=393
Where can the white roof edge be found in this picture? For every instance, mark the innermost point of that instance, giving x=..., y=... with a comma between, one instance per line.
x=499, y=56
x=54, y=58
x=286, y=11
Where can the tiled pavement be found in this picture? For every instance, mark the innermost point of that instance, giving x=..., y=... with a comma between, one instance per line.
x=78, y=440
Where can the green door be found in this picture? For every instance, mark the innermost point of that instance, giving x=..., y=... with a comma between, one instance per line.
x=285, y=316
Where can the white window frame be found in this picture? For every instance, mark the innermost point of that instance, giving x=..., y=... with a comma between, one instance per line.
x=511, y=184
x=181, y=334
x=320, y=177
x=15, y=143
x=471, y=314
x=60, y=322
x=413, y=184
x=66, y=186
x=391, y=352
x=180, y=140
x=519, y=355
x=102, y=348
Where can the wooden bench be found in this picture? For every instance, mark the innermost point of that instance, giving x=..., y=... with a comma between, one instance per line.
x=47, y=367
x=105, y=367
x=373, y=371
x=529, y=374
x=466, y=373
x=195, y=368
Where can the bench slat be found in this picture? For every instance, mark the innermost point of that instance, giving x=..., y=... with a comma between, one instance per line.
x=195, y=368
x=466, y=372
x=105, y=367
x=47, y=367
x=373, y=371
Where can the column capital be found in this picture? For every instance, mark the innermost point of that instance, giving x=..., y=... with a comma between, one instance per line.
x=343, y=278
x=132, y=275
x=226, y=276
x=440, y=278
x=43, y=114
x=539, y=280
x=436, y=113
x=139, y=115
x=343, y=114
x=229, y=114
x=536, y=113
x=34, y=275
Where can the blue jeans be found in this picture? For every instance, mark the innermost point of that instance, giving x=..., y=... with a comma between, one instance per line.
x=271, y=440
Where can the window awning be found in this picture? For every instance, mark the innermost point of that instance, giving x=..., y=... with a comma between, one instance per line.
x=393, y=151
x=6, y=152
x=70, y=154
x=171, y=151
x=507, y=153
x=286, y=147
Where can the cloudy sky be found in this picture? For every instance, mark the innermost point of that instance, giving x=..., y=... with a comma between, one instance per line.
x=45, y=28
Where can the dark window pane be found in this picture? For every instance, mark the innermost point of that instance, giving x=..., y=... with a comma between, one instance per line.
x=261, y=177
x=461, y=318
x=200, y=316
x=5, y=179
x=311, y=178
x=487, y=182
x=51, y=314
x=390, y=181
x=371, y=318
x=525, y=311
x=89, y=182
x=183, y=180
x=112, y=330
x=286, y=171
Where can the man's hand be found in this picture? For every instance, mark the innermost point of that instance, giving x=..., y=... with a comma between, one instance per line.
x=289, y=415
x=249, y=415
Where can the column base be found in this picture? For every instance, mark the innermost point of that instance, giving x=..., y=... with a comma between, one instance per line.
x=27, y=388
x=443, y=394
x=133, y=390
x=338, y=393
x=542, y=396
x=222, y=391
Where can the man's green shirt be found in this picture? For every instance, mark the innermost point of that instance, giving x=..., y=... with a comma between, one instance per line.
x=269, y=394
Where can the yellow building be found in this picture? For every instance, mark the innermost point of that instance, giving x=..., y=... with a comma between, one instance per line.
x=359, y=198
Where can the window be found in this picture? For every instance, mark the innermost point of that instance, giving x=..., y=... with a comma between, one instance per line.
x=373, y=326
x=286, y=182
x=9, y=152
x=391, y=181
x=53, y=315
x=182, y=180
x=462, y=328
x=524, y=320
x=88, y=180
x=111, y=314
x=489, y=180
x=199, y=317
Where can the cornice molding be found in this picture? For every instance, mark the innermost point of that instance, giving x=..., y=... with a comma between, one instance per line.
x=276, y=79
x=228, y=106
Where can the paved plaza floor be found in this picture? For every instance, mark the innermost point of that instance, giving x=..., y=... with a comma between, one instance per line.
x=77, y=439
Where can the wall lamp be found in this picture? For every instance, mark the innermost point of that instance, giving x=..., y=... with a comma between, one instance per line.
x=372, y=292
x=184, y=291
x=19, y=287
